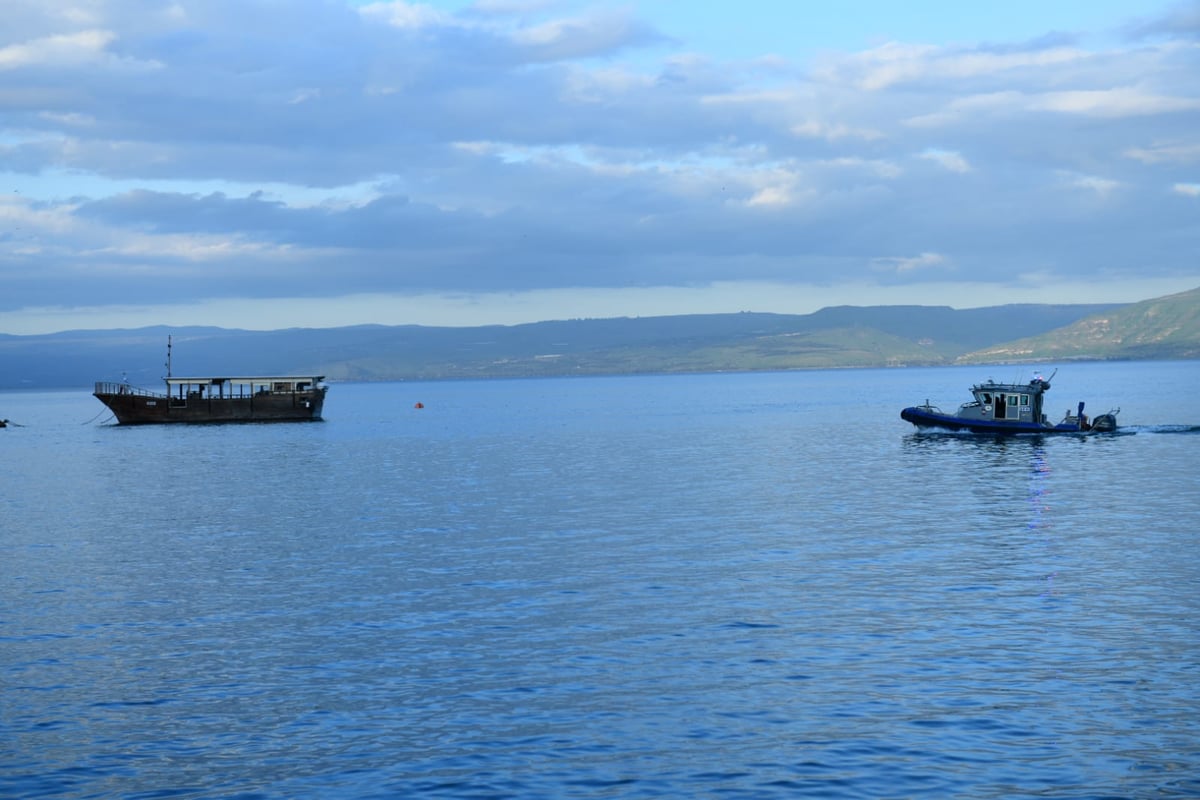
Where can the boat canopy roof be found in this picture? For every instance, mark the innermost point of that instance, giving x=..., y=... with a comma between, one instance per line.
x=1035, y=386
x=261, y=380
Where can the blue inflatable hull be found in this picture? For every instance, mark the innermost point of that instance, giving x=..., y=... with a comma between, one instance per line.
x=931, y=419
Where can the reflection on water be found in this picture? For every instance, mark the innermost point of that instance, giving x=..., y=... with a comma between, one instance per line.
x=1039, y=478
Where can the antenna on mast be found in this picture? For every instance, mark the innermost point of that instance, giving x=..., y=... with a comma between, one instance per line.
x=168, y=355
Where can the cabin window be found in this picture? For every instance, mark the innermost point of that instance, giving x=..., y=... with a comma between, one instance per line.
x=1024, y=399
x=987, y=398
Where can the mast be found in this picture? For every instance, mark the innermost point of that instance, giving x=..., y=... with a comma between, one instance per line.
x=168, y=355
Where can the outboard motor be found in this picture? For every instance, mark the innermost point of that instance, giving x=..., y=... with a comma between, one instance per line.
x=1106, y=423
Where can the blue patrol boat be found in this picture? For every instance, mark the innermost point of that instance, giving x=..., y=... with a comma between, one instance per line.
x=1006, y=408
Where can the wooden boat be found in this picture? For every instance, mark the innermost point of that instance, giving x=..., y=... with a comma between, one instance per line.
x=252, y=399
x=282, y=398
x=1008, y=408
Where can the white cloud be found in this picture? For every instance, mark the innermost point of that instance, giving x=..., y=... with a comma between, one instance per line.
x=512, y=6
x=62, y=50
x=947, y=159
x=1187, y=189
x=1166, y=153
x=1102, y=187
x=1105, y=103
x=68, y=120
x=902, y=265
x=1116, y=102
x=597, y=33
x=833, y=131
x=897, y=63
x=771, y=196
x=405, y=15
x=876, y=167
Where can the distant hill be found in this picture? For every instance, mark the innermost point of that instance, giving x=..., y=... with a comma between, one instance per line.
x=1163, y=328
x=843, y=336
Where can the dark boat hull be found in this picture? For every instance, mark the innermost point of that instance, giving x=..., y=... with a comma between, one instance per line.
x=143, y=408
x=923, y=418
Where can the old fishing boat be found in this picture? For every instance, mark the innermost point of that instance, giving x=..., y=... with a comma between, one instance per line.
x=282, y=398
x=256, y=399
x=1007, y=408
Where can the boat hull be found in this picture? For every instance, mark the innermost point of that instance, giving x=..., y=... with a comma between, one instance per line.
x=923, y=418
x=144, y=409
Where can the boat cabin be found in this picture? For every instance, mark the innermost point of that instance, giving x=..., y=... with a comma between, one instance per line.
x=180, y=390
x=1009, y=401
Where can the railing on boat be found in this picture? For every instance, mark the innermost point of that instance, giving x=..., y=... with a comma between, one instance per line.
x=108, y=387
x=229, y=391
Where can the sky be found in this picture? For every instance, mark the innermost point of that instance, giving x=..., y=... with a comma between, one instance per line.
x=267, y=164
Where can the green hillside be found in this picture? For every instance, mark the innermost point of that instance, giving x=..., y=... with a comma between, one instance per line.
x=843, y=336
x=1163, y=328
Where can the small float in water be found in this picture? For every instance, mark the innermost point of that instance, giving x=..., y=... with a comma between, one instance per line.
x=1007, y=408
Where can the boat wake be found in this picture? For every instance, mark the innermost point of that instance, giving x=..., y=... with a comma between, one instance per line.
x=1159, y=429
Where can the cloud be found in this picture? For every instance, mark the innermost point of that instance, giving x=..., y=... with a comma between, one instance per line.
x=896, y=64
x=220, y=149
x=1166, y=153
x=1092, y=183
x=902, y=265
x=1115, y=102
x=405, y=15
x=1182, y=21
x=833, y=131
x=599, y=33
x=79, y=46
x=954, y=162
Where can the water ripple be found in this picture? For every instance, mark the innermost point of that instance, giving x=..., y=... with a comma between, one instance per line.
x=658, y=587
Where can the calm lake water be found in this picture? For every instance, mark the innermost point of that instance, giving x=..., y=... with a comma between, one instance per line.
x=725, y=586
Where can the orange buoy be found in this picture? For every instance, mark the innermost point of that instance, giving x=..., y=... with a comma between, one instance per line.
x=419, y=405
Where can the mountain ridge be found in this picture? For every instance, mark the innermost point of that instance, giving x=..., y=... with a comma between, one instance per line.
x=832, y=337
